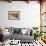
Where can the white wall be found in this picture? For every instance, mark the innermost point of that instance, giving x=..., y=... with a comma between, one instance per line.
x=29, y=14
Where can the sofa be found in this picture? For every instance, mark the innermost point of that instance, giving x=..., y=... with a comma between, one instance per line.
x=22, y=34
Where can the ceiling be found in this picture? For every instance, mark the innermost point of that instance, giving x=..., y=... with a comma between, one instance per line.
x=24, y=0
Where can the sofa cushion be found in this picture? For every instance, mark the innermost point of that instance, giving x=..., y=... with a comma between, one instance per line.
x=17, y=30
x=11, y=30
x=28, y=32
x=20, y=37
x=24, y=30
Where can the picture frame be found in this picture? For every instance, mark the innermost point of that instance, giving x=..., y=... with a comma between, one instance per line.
x=13, y=15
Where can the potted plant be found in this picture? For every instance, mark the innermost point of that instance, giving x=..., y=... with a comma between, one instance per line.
x=37, y=33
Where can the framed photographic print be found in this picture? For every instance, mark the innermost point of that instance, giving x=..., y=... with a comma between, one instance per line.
x=13, y=15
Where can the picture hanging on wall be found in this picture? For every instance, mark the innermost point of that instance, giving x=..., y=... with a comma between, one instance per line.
x=13, y=15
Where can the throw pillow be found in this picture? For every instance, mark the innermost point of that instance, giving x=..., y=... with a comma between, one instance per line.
x=17, y=30
x=24, y=30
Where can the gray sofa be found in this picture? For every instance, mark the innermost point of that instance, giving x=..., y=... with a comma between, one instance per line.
x=22, y=38
x=17, y=35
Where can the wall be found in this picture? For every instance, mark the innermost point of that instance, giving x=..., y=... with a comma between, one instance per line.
x=29, y=14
